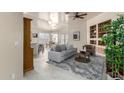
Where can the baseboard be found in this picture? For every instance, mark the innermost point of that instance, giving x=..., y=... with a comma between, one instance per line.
x=28, y=69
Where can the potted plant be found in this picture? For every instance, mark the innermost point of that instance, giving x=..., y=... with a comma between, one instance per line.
x=114, y=40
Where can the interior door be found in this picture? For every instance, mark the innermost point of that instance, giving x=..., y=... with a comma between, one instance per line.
x=28, y=51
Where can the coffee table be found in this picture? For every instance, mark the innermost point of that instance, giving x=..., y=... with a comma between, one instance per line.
x=83, y=57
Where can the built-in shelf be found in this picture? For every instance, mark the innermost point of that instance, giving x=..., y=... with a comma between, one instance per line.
x=92, y=41
x=96, y=33
x=93, y=35
x=93, y=31
x=101, y=43
x=101, y=30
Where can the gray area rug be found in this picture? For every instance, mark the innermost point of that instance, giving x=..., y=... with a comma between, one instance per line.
x=93, y=70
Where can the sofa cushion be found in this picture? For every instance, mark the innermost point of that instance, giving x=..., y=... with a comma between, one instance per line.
x=63, y=47
x=53, y=48
x=58, y=48
x=66, y=52
x=58, y=56
x=69, y=46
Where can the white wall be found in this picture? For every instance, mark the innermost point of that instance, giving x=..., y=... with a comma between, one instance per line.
x=77, y=25
x=11, y=45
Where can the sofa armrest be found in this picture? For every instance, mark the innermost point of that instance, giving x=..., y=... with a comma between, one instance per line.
x=55, y=56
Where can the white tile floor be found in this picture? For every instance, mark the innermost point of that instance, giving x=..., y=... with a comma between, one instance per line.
x=45, y=71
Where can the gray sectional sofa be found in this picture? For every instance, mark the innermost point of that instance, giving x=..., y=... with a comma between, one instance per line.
x=61, y=52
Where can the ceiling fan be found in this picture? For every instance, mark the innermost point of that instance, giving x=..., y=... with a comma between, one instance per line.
x=77, y=15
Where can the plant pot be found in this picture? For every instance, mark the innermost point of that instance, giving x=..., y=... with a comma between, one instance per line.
x=121, y=73
x=111, y=78
x=114, y=75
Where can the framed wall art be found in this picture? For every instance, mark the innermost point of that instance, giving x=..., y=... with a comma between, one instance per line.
x=76, y=36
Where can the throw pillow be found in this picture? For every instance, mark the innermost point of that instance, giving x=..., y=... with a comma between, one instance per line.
x=58, y=48
x=63, y=47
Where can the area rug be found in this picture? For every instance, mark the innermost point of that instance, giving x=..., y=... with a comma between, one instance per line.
x=93, y=70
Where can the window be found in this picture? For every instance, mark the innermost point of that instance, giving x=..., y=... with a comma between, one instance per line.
x=64, y=38
x=44, y=38
x=54, y=37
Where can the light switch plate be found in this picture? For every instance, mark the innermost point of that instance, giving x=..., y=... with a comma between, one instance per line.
x=16, y=43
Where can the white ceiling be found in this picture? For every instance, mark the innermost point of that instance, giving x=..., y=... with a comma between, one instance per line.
x=92, y=14
x=40, y=19
x=45, y=15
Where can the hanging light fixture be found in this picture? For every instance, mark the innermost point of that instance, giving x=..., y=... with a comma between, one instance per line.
x=53, y=21
x=57, y=19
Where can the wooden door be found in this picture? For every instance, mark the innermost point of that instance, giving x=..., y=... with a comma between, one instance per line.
x=28, y=51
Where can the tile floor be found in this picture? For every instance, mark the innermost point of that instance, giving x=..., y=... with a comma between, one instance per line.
x=44, y=71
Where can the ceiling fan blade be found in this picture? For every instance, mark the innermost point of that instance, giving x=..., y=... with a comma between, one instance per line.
x=82, y=14
x=76, y=13
x=67, y=12
x=81, y=17
x=74, y=18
